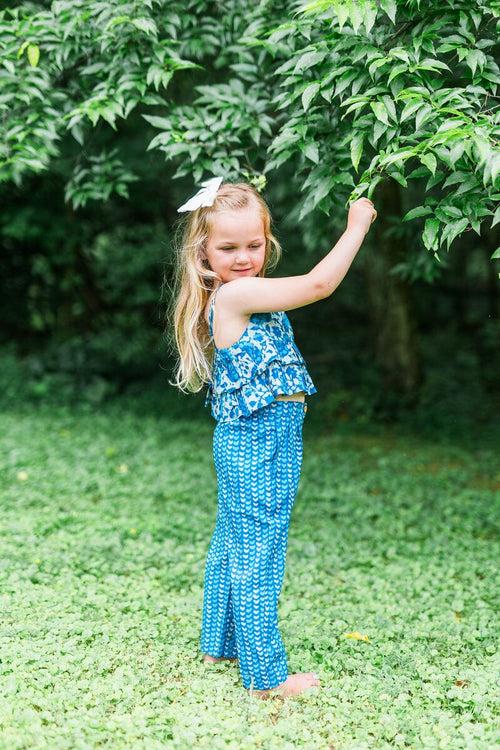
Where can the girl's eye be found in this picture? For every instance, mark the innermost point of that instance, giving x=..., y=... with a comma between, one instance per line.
x=252, y=247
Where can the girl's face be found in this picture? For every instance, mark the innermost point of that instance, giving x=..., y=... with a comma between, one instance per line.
x=237, y=245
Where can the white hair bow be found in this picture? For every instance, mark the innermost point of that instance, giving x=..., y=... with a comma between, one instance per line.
x=205, y=196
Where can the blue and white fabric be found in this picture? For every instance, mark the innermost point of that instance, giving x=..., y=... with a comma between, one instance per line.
x=258, y=462
x=264, y=363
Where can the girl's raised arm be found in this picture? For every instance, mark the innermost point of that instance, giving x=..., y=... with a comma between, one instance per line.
x=253, y=294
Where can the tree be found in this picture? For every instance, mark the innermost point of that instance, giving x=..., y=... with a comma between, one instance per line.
x=401, y=89
x=361, y=97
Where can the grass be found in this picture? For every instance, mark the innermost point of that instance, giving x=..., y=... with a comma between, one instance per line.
x=105, y=521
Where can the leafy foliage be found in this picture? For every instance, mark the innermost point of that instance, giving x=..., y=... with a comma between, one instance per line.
x=94, y=62
x=353, y=93
x=104, y=174
x=407, y=90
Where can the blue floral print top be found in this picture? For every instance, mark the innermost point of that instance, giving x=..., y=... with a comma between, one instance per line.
x=264, y=363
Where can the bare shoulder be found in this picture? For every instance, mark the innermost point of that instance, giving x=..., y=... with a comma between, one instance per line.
x=226, y=302
x=228, y=322
x=221, y=295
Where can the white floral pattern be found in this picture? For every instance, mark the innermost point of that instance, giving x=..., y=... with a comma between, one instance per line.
x=265, y=362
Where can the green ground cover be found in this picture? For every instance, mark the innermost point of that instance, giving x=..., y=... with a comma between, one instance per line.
x=105, y=521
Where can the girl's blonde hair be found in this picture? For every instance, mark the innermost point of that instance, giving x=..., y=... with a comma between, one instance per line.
x=194, y=280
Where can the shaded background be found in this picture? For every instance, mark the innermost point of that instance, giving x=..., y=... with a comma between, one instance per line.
x=404, y=339
x=84, y=295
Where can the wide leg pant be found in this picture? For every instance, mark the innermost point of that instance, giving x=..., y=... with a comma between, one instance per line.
x=258, y=461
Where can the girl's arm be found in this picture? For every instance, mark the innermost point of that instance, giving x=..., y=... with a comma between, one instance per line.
x=332, y=269
x=254, y=294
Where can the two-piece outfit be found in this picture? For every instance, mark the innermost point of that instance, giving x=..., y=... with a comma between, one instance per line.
x=257, y=450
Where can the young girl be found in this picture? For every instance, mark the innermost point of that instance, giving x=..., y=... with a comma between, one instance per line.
x=231, y=330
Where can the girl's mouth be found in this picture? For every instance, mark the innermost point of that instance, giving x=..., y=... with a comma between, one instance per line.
x=241, y=270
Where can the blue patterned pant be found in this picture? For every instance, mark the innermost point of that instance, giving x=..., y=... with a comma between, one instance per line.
x=257, y=461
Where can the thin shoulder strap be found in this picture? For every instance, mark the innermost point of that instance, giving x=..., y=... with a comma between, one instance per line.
x=211, y=313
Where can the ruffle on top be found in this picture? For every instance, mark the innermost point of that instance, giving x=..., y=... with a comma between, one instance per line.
x=265, y=362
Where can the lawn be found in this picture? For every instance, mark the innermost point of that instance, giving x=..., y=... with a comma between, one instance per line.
x=105, y=519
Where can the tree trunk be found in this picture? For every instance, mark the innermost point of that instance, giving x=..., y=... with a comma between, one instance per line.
x=393, y=328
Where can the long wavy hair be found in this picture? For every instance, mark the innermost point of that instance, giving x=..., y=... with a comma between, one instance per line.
x=193, y=281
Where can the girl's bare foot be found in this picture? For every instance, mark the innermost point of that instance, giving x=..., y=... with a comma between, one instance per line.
x=212, y=659
x=293, y=685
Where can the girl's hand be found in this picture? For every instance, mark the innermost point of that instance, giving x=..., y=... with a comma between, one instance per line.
x=361, y=215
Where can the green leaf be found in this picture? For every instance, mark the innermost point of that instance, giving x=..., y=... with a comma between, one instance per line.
x=77, y=133
x=396, y=71
x=309, y=59
x=454, y=178
x=145, y=24
x=390, y=7
x=344, y=81
x=399, y=177
x=496, y=254
x=452, y=211
x=417, y=212
x=373, y=184
x=158, y=122
x=342, y=12
x=456, y=152
x=410, y=109
x=430, y=161
x=453, y=230
x=380, y=112
x=323, y=188
x=356, y=149
x=434, y=180
x=390, y=107
x=496, y=217
x=401, y=155
x=378, y=129
x=309, y=93
x=431, y=64
x=35, y=164
x=33, y=53
x=312, y=152
x=370, y=16
x=422, y=115
x=474, y=58
x=495, y=168
x=430, y=234
x=285, y=67
x=116, y=21
x=21, y=49
x=378, y=63
x=355, y=16
x=469, y=184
